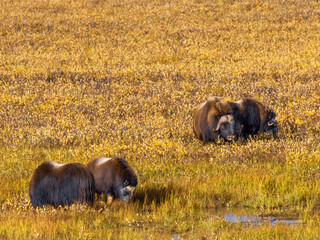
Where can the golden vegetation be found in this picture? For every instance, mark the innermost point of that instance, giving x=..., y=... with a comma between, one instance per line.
x=80, y=79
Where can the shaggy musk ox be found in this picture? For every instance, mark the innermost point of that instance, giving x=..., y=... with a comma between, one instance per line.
x=254, y=117
x=61, y=184
x=113, y=177
x=214, y=118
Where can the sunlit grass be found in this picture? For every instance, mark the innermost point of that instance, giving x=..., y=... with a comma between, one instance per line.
x=83, y=79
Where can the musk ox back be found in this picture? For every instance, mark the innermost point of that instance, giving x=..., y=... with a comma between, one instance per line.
x=113, y=177
x=254, y=117
x=61, y=184
x=214, y=118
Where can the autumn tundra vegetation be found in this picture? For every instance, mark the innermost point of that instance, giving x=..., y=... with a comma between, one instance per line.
x=90, y=78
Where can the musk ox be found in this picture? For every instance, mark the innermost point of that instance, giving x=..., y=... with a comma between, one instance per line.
x=61, y=184
x=254, y=117
x=214, y=118
x=113, y=177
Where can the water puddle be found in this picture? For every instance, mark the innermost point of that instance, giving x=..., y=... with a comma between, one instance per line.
x=251, y=218
x=258, y=220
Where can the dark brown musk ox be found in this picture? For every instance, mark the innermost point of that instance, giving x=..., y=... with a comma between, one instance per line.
x=113, y=177
x=214, y=118
x=61, y=184
x=254, y=117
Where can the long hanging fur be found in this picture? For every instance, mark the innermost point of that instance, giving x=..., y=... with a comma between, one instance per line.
x=61, y=184
x=254, y=117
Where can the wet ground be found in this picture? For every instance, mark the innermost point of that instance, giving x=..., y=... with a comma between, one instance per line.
x=253, y=219
x=240, y=215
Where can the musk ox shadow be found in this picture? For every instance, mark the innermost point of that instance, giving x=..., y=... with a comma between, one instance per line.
x=254, y=117
x=113, y=177
x=61, y=184
x=214, y=118
x=155, y=194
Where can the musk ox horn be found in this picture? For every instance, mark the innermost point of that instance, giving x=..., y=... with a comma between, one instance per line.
x=217, y=127
x=223, y=119
x=271, y=122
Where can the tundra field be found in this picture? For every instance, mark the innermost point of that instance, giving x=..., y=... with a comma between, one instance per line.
x=89, y=78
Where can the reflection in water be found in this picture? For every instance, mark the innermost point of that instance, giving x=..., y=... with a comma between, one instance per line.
x=254, y=219
x=175, y=237
x=249, y=218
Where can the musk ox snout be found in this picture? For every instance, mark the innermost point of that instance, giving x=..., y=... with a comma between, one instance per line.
x=114, y=178
x=227, y=128
x=271, y=127
x=125, y=193
x=61, y=184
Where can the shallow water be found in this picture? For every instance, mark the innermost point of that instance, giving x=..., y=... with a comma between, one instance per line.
x=258, y=220
x=254, y=218
x=251, y=218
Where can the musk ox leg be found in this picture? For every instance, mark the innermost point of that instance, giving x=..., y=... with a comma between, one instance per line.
x=109, y=199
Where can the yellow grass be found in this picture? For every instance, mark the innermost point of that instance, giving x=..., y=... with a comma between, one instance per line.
x=87, y=78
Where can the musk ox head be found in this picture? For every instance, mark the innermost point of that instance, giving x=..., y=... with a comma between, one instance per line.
x=61, y=184
x=213, y=119
x=227, y=128
x=113, y=177
x=270, y=125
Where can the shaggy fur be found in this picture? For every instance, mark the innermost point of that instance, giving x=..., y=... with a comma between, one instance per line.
x=215, y=118
x=61, y=184
x=254, y=117
x=113, y=177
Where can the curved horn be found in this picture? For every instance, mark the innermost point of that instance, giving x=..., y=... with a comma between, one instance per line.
x=216, y=129
x=271, y=122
